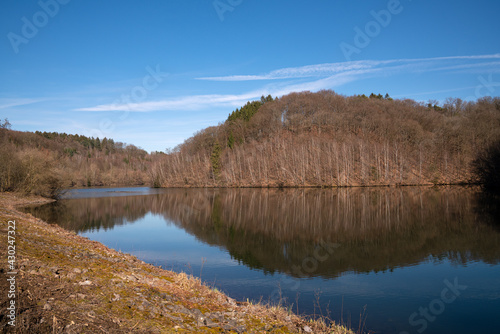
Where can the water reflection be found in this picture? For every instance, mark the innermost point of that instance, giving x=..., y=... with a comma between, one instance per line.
x=311, y=232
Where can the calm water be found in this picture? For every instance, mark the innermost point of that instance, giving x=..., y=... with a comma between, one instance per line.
x=410, y=259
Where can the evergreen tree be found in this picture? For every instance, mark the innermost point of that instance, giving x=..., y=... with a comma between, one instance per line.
x=230, y=140
x=216, y=161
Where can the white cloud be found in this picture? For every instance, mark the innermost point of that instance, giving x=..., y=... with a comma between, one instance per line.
x=470, y=67
x=298, y=72
x=194, y=102
x=329, y=69
x=199, y=102
x=9, y=103
x=294, y=79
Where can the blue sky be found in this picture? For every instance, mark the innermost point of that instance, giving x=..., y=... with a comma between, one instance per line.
x=151, y=73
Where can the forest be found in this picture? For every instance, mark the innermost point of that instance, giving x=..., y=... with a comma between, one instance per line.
x=325, y=139
x=303, y=139
x=44, y=163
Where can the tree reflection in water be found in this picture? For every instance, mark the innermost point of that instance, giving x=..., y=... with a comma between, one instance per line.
x=372, y=229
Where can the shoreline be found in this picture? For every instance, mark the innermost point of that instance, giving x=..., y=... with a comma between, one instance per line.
x=69, y=284
x=427, y=185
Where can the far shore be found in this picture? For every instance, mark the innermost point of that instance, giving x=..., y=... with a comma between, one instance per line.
x=392, y=185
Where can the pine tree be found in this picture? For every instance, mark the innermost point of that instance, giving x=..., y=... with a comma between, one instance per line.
x=230, y=140
x=215, y=161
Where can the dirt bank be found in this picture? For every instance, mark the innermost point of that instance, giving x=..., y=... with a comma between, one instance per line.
x=65, y=283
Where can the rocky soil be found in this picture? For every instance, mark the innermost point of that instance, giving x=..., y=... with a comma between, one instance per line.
x=69, y=284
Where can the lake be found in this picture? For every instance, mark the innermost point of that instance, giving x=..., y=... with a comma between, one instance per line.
x=403, y=260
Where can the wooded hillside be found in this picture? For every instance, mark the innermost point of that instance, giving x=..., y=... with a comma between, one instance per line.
x=43, y=163
x=326, y=139
x=301, y=139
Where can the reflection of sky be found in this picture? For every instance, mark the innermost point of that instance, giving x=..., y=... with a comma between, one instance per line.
x=110, y=192
x=153, y=240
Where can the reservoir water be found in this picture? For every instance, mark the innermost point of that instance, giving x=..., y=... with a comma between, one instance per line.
x=403, y=260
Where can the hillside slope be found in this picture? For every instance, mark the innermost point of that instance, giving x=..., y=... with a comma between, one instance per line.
x=326, y=139
x=44, y=163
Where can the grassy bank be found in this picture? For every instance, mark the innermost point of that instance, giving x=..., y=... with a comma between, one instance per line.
x=69, y=284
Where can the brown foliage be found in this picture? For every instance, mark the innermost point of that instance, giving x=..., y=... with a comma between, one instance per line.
x=325, y=139
x=44, y=163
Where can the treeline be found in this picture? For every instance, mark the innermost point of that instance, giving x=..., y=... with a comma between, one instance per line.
x=108, y=145
x=298, y=140
x=44, y=163
x=326, y=139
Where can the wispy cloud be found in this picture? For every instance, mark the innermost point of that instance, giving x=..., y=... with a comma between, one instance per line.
x=298, y=72
x=307, y=78
x=9, y=103
x=492, y=67
x=329, y=69
x=200, y=102
x=194, y=102
x=330, y=82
